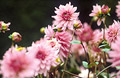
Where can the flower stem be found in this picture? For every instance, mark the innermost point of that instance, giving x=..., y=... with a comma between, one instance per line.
x=71, y=74
x=103, y=70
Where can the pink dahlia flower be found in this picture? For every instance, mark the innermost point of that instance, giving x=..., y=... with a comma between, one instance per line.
x=65, y=16
x=18, y=64
x=86, y=34
x=63, y=39
x=45, y=54
x=96, y=10
x=113, y=32
x=115, y=53
x=118, y=9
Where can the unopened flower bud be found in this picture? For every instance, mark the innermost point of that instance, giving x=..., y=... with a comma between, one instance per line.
x=77, y=24
x=105, y=9
x=42, y=30
x=4, y=26
x=15, y=36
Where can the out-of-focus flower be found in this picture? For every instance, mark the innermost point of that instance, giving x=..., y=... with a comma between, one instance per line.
x=45, y=54
x=18, y=64
x=98, y=36
x=4, y=26
x=15, y=36
x=99, y=13
x=65, y=16
x=113, y=32
x=118, y=9
x=86, y=34
x=115, y=53
x=84, y=73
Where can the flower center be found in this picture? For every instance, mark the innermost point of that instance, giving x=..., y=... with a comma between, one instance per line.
x=40, y=55
x=66, y=16
x=16, y=65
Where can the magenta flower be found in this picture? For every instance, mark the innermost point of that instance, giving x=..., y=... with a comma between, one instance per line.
x=65, y=16
x=18, y=64
x=45, y=54
x=113, y=32
x=118, y=9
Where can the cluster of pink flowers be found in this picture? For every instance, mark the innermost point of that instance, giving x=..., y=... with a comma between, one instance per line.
x=66, y=37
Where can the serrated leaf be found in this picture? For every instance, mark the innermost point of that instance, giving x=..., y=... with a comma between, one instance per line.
x=85, y=64
x=75, y=42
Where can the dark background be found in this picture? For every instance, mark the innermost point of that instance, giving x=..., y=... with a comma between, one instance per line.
x=28, y=16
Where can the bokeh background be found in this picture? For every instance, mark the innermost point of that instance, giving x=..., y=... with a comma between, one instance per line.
x=28, y=16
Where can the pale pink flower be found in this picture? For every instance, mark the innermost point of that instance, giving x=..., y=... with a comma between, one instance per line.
x=86, y=33
x=18, y=64
x=113, y=32
x=96, y=10
x=45, y=54
x=115, y=53
x=64, y=39
x=98, y=36
x=49, y=32
x=65, y=16
x=118, y=9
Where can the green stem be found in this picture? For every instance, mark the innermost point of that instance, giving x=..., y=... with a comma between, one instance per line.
x=103, y=70
x=72, y=74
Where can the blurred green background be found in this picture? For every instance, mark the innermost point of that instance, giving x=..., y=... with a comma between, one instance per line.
x=28, y=16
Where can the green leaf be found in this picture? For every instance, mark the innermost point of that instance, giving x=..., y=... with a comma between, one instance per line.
x=75, y=42
x=10, y=36
x=118, y=67
x=108, y=14
x=93, y=64
x=105, y=50
x=85, y=64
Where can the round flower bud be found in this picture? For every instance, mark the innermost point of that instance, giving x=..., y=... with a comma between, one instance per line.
x=42, y=30
x=15, y=36
x=105, y=9
x=77, y=24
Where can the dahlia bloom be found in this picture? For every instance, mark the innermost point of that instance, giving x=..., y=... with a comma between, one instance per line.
x=45, y=54
x=97, y=36
x=96, y=10
x=118, y=9
x=113, y=32
x=18, y=64
x=115, y=53
x=65, y=16
x=4, y=26
x=63, y=39
x=98, y=13
x=86, y=34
